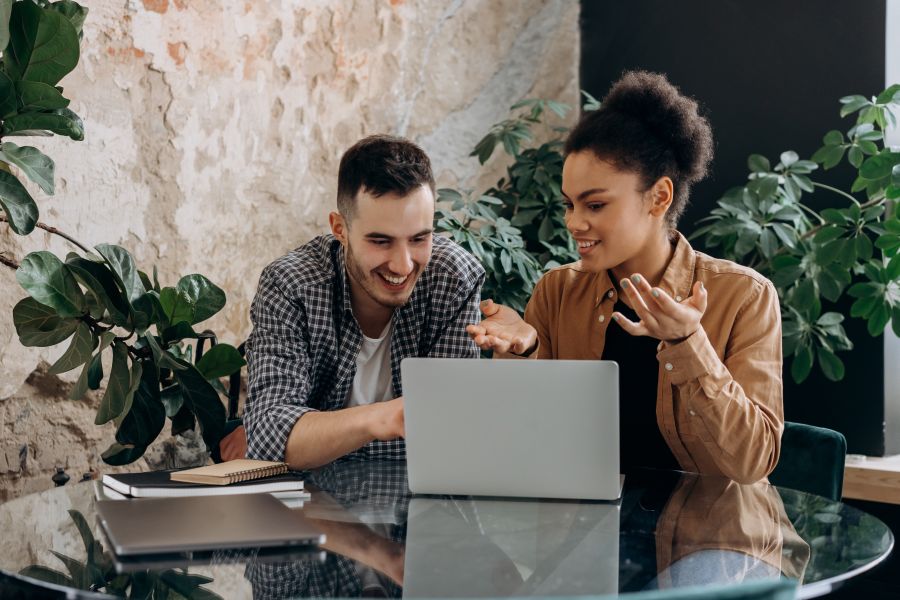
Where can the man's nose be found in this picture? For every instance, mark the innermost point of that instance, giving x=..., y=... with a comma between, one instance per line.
x=401, y=262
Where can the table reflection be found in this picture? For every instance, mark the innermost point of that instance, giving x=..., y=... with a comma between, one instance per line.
x=668, y=530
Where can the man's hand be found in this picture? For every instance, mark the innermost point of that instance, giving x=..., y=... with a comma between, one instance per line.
x=386, y=420
x=502, y=330
x=234, y=445
x=661, y=316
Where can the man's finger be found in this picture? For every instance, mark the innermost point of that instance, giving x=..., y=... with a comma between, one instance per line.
x=498, y=344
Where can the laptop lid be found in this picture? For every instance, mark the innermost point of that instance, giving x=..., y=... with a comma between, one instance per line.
x=164, y=525
x=525, y=428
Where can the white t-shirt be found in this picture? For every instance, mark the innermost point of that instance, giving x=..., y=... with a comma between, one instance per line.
x=372, y=382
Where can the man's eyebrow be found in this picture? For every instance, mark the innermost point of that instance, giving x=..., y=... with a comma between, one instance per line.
x=589, y=192
x=383, y=236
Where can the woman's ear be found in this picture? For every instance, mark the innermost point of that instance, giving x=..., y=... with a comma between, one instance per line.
x=661, y=195
x=338, y=227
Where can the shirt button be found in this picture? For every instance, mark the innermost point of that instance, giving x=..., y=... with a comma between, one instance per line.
x=692, y=413
x=610, y=294
x=678, y=298
x=601, y=318
x=669, y=367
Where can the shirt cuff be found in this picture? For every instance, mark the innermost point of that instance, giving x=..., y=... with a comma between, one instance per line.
x=691, y=358
x=269, y=441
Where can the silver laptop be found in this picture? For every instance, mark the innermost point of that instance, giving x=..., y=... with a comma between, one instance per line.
x=203, y=523
x=524, y=428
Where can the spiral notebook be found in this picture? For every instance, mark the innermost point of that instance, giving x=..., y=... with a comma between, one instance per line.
x=233, y=471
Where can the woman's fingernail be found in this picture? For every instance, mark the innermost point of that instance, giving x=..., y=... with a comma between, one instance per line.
x=636, y=277
x=624, y=283
x=655, y=293
x=615, y=318
x=702, y=287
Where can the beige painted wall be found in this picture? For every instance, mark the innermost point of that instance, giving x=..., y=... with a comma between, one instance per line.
x=213, y=133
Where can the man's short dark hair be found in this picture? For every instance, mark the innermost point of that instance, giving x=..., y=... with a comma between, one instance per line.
x=381, y=164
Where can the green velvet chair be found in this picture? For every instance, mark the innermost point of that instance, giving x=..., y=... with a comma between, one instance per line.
x=812, y=460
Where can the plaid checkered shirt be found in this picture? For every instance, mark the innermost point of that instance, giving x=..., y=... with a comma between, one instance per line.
x=302, y=352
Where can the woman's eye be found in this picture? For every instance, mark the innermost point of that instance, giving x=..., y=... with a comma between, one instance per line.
x=595, y=206
x=567, y=205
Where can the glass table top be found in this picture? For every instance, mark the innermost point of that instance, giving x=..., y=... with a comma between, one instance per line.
x=668, y=530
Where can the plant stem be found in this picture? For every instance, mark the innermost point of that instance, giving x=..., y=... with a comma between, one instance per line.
x=54, y=231
x=12, y=264
x=836, y=191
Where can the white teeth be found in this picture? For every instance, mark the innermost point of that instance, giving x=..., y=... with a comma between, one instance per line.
x=394, y=280
x=586, y=244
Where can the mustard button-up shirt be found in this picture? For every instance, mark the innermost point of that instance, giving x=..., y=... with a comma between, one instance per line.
x=719, y=399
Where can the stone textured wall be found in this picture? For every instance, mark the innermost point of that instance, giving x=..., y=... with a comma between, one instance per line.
x=213, y=133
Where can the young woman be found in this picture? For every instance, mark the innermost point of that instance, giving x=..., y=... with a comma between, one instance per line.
x=697, y=339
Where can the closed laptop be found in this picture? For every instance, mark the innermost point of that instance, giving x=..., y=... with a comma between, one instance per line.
x=167, y=525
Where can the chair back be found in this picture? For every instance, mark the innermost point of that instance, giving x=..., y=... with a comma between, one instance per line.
x=812, y=460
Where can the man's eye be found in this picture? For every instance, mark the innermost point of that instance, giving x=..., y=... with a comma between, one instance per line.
x=379, y=242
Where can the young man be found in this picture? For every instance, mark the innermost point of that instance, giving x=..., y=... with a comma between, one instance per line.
x=333, y=319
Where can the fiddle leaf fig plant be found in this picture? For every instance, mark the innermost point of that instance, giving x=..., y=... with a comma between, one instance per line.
x=98, y=299
x=817, y=257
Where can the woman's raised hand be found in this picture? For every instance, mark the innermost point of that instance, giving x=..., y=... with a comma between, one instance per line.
x=661, y=316
x=502, y=330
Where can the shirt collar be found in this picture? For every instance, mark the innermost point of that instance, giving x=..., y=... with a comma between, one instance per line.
x=677, y=279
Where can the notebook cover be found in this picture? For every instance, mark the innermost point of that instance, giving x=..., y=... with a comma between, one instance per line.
x=159, y=484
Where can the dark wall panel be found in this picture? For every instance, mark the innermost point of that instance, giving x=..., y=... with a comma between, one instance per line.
x=769, y=75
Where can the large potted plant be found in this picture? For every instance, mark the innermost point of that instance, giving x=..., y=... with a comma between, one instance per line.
x=97, y=298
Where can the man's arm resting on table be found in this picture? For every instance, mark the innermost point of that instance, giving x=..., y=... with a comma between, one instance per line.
x=319, y=438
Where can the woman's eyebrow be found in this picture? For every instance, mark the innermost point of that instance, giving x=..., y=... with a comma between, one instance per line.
x=587, y=193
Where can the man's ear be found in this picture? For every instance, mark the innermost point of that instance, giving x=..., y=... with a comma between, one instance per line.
x=661, y=195
x=338, y=227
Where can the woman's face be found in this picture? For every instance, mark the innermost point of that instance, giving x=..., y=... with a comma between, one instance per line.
x=608, y=214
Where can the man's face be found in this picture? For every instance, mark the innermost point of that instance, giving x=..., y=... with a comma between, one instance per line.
x=388, y=243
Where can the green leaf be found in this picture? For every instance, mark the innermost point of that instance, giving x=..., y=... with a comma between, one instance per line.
x=802, y=364
x=144, y=422
x=50, y=282
x=833, y=138
x=220, y=361
x=879, y=319
x=121, y=454
x=20, y=208
x=834, y=216
x=895, y=320
x=62, y=122
x=113, y=402
x=768, y=243
x=163, y=359
x=39, y=325
x=855, y=156
x=878, y=166
x=73, y=11
x=831, y=365
x=830, y=318
x=788, y=158
x=893, y=269
x=99, y=279
x=5, y=10
x=202, y=400
x=758, y=163
x=829, y=156
x=207, y=298
x=863, y=247
x=34, y=96
x=48, y=575
x=46, y=47
x=34, y=163
x=79, y=352
x=853, y=104
x=888, y=95
x=89, y=371
x=177, y=306
x=122, y=265
x=8, y=101
x=863, y=307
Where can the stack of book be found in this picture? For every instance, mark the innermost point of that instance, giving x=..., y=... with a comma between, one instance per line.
x=243, y=476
